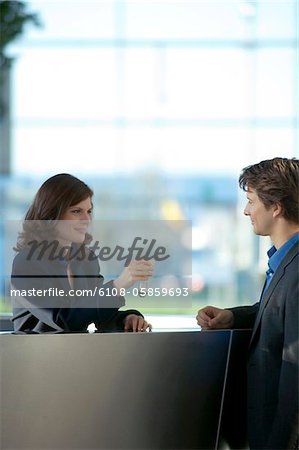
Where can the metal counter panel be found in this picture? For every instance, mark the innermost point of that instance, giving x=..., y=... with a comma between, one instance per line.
x=112, y=391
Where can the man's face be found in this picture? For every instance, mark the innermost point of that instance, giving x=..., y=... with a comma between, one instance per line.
x=261, y=217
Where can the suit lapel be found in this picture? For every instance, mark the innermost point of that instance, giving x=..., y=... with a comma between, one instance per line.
x=275, y=280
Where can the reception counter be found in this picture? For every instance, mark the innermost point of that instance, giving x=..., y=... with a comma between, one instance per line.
x=122, y=390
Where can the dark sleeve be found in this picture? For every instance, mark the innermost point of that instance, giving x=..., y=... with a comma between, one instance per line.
x=54, y=313
x=117, y=322
x=244, y=316
x=284, y=432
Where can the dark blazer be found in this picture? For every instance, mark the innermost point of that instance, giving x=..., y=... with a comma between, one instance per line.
x=272, y=371
x=67, y=313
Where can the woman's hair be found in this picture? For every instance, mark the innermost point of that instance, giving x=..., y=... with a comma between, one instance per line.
x=275, y=181
x=51, y=201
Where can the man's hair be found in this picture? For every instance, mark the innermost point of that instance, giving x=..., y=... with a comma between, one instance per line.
x=275, y=181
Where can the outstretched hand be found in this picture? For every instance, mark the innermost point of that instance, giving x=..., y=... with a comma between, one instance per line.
x=136, y=271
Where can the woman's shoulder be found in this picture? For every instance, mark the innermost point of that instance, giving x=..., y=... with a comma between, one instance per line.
x=22, y=255
x=25, y=260
x=20, y=263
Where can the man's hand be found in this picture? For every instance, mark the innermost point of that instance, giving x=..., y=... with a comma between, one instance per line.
x=136, y=323
x=210, y=318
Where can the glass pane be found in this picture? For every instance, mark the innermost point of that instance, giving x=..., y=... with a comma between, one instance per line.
x=44, y=150
x=140, y=83
x=275, y=81
x=183, y=19
x=277, y=19
x=66, y=84
x=271, y=142
x=206, y=83
x=107, y=149
x=76, y=19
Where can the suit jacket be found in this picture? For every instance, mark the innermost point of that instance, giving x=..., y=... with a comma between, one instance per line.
x=272, y=370
x=56, y=310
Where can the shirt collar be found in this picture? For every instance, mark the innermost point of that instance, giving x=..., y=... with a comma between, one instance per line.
x=276, y=256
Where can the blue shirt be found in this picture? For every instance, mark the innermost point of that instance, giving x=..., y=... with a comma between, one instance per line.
x=276, y=256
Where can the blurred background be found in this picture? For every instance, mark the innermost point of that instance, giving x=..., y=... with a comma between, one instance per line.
x=157, y=105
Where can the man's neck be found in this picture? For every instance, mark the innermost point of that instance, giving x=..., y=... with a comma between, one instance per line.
x=283, y=232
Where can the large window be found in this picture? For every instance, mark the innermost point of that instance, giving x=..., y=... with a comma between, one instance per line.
x=159, y=104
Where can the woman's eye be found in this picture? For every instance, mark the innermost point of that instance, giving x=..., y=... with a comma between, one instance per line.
x=76, y=211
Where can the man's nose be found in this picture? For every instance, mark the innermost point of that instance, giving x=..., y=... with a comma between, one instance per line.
x=246, y=212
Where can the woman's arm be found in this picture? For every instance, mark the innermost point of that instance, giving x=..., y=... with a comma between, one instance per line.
x=43, y=301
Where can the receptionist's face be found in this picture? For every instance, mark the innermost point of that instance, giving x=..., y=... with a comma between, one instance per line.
x=74, y=223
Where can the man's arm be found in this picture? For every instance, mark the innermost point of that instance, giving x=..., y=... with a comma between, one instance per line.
x=211, y=318
x=244, y=316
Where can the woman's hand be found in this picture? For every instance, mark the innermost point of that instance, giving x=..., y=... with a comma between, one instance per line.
x=133, y=322
x=136, y=271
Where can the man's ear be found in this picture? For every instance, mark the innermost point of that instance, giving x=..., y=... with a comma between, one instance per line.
x=277, y=210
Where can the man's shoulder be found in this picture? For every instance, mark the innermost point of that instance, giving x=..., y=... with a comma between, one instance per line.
x=291, y=258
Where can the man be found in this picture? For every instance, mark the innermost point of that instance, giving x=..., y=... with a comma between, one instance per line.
x=272, y=372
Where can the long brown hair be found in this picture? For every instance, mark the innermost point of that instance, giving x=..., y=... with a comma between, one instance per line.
x=52, y=199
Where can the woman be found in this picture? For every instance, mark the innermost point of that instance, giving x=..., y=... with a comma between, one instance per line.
x=54, y=273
